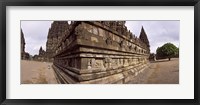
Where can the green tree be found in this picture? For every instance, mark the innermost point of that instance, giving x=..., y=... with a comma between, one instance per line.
x=168, y=50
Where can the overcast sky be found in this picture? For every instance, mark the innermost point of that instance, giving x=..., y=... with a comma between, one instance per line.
x=158, y=33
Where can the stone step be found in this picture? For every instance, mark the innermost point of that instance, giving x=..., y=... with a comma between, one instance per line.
x=67, y=76
x=59, y=78
x=64, y=77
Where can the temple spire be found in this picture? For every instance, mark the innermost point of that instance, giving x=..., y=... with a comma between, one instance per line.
x=143, y=37
x=22, y=37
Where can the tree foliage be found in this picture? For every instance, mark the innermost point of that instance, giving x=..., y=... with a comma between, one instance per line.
x=168, y=50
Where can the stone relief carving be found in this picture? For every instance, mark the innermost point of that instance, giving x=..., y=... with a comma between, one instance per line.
x=89, y=64
x=95, y=63
x=99, y=64
x=122, y=43
x=107, y=62
x=130, y=47
x=109, y=41
x=135, y=48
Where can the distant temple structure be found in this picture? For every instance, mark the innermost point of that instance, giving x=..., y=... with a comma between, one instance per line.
x=24, y=55
x=96, y=52
x=42, y=55
x=56, y=33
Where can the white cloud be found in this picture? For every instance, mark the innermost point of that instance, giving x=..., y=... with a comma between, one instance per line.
x=35, y=34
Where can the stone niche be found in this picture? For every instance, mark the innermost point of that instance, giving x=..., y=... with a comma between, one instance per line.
x=100, y=52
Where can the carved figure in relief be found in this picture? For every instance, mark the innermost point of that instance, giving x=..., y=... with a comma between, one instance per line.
x=135, y=48
x=122, y=43
x=89, y=63
x=109, y=41
x=99, y=64
x=107, y=62
x=130, y=47
x=115, y=62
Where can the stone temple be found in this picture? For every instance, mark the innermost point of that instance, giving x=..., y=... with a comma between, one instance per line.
x=24, y=55
x=96, y=52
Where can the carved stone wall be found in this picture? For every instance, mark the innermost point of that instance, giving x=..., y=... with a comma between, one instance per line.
x=100, y=52
x=57, y=31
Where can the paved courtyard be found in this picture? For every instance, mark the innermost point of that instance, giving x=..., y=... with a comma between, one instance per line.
x=33, y=72
x=158, y=72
